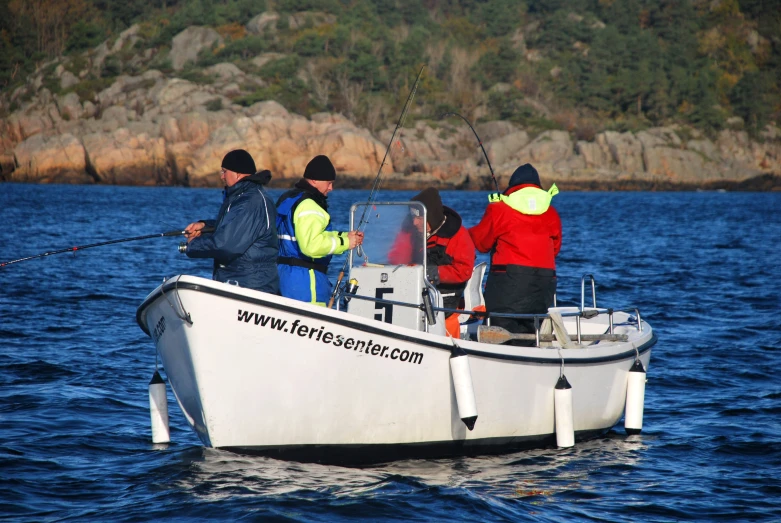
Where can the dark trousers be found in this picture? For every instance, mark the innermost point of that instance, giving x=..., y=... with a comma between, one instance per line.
x=519, y=290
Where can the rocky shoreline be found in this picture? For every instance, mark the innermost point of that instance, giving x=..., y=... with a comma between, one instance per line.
x=398, y=182
x=159, y=129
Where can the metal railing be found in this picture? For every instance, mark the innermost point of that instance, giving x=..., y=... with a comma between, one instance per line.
x=582, y=313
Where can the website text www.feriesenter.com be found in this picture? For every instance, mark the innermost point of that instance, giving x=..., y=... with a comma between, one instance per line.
x=328, y=338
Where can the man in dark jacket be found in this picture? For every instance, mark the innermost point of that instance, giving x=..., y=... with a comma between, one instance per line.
x=450, y=253
x=244, y=243
x=523, y=233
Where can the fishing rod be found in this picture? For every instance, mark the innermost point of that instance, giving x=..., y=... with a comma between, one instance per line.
x=479, y=141
x=399, y=125
x=110, y=242
x=376, y=183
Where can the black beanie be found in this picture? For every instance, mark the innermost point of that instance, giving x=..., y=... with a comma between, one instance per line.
x=239, y=161
x=435, y=213
x=320, y=168
x=525, y=174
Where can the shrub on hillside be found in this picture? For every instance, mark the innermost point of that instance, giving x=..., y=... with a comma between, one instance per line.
x=84, y=35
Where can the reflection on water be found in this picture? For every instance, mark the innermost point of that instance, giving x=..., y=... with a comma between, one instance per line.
x=215, y=474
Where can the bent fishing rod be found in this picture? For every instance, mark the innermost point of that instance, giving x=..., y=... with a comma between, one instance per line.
x=376, y=183
x=110, y=242
x=479, y=141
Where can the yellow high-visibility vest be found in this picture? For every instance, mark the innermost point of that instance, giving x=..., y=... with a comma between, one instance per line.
x=529, y=200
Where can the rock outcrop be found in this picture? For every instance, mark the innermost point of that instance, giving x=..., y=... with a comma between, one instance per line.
x=154, y=128
x=188, y=44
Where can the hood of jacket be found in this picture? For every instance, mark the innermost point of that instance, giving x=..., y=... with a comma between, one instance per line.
x=259, y=178
x=452, y=223
x=529, y=199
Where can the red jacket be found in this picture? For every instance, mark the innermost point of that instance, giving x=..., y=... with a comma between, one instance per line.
x=516, y=238
x=456, y=265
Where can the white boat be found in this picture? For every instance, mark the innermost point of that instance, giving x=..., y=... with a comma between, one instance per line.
x=259, y=373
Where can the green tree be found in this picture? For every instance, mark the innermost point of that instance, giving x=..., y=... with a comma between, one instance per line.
x=706, y=113
x=500, y=17
x=751, y=100
x=659, y=103
x=295, y=6
x=497, y=65
x=85, y=35
x=362, y=66
x=561, y=31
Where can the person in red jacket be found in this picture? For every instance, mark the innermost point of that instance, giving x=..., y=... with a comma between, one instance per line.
x=523, y=233
x=450, y=253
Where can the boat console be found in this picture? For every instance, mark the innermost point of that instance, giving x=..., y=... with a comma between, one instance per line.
x=389, y=269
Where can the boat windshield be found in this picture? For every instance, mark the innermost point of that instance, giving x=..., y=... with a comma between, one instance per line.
x=394, y=234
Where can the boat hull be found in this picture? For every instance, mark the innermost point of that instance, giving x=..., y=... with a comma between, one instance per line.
x=263, y=374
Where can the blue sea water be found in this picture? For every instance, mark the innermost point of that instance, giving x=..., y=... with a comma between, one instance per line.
x=75, y=444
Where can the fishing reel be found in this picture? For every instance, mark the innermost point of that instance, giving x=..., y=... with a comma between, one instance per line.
x=343, y=292
x=183, y=247
x=349, y=290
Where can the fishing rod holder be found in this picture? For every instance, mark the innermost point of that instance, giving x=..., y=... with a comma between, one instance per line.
x=428, y=308
x=584, y=313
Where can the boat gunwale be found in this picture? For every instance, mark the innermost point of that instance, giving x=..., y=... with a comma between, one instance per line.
x=174, y=284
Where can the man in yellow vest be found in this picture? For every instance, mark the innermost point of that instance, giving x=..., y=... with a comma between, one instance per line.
x=307, y=240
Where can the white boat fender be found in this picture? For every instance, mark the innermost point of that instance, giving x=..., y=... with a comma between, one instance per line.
x=158, y=410
x=562, y=408
x=635, y=398
x=462, y=384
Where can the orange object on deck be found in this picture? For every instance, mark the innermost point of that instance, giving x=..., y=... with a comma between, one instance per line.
x=453, y=322
x=453, y=326
x=479, y=308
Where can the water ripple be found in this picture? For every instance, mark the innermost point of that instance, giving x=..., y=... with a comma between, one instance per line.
x=74, y=370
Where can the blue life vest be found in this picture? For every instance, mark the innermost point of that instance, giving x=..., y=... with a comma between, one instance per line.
x=301, y=277
x=288, y=244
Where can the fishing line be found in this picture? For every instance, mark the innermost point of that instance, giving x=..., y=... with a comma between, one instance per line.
x=100, y=244
x=480, y=142
x=399, y=125
x=167, y=224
